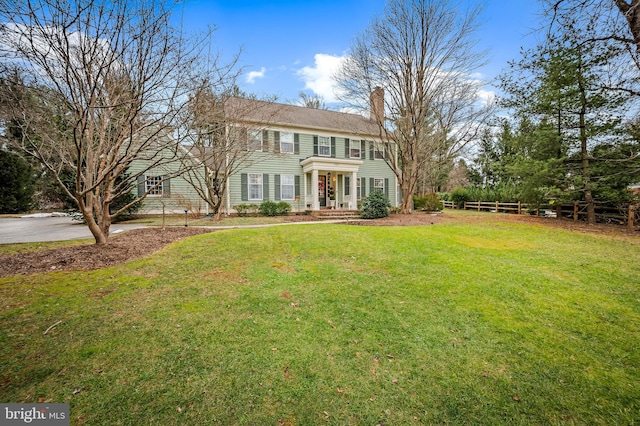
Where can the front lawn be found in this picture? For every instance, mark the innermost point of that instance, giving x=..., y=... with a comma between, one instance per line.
x=486, y=323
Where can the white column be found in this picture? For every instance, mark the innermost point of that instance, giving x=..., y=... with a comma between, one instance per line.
x=303, y=191
x=354, y=191
x=315, y=202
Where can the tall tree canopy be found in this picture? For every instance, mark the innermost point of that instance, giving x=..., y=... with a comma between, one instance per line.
x=422, y=54
x=568, y=93
x=91, y=86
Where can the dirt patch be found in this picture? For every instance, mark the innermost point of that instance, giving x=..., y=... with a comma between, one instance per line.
x=142, y=242
x=121, y=248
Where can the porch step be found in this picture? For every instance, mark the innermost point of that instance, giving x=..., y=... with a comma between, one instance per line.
x=336, y=214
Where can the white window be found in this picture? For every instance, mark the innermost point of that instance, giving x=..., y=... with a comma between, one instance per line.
x=354, y=148
x=378, y=184
x=255, y=186
x=254, y=140
x=324, y=146
x=286, y=142
x=287, y=187
x=153, y=185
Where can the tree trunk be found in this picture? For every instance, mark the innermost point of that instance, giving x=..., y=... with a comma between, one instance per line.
x=584, y=150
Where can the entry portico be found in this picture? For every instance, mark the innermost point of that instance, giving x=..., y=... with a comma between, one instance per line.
x=315, y=166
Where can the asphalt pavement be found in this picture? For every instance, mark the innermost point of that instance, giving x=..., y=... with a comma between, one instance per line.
x=30, y=229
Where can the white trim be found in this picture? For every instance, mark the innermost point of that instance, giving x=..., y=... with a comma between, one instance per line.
x=292, y=143
x=292, y=185
x=332, y=164
x=359, y=143
x=326, y=139
x=155, y=189
x=249, y=184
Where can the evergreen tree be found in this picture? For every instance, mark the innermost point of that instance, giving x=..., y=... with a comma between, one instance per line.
x=16, y=183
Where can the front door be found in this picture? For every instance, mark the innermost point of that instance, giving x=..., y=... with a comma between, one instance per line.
x=322, y=190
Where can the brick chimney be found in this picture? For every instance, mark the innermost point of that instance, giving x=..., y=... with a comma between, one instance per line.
x=376, y=105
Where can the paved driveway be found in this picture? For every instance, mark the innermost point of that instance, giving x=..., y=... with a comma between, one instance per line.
x=35, y=229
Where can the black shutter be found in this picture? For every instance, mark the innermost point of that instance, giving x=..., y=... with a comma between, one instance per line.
x=141, y=181
x=372, y=154
x=347, y=151
x=265, y=140
x=386, y=187
x=347, y=185
x=372, y=185
x=244, y=187
x=276, y=182
x=333, y=147
x=296, y=143
x=363, y=187
x=297, y=185
x=315, y=145
x=166, y=186
x=276, y=142
x=265, y=186
x=363, y=149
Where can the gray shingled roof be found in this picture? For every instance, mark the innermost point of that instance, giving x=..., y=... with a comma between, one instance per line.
x=267, y=114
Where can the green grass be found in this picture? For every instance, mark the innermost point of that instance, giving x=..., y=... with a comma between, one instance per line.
x=487, y=323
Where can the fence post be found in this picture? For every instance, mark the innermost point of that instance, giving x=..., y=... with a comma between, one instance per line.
x=519, y=207
x=632, y=217
x=575, y=211
x=497, y=207
x=558, y=211
x=479, y=205
x=464, y=206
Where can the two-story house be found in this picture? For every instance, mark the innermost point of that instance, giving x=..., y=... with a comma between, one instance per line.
x=311, y=158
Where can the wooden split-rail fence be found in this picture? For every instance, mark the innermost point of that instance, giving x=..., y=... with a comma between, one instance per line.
x=627, y=215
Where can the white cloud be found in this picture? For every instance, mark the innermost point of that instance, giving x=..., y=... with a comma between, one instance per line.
x=253, y=75
x=487, y=96
x=319, y=78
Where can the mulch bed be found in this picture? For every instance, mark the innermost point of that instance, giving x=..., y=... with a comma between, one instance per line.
x=145, y=241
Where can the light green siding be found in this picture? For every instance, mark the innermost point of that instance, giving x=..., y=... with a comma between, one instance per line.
x=181, y=195
x=274, y=163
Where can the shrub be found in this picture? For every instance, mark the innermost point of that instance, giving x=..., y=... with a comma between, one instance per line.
x=427, y=202
x=283, y=208
x=375, y=205
x=432, y=203
x=459, y=196
x=418, y=203
x=245, y=209
x=268, y=208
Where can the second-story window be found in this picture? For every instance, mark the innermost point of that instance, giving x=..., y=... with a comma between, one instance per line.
x=324, y=146
x=354, y=148
x=254, y=140
x=286, y=142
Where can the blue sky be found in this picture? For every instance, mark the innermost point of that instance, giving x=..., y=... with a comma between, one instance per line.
x=290, y=46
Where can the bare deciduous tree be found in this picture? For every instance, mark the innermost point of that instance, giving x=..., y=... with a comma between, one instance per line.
x=608, y=22
x=100, y=84
x=220, y=129
x=422, y=53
